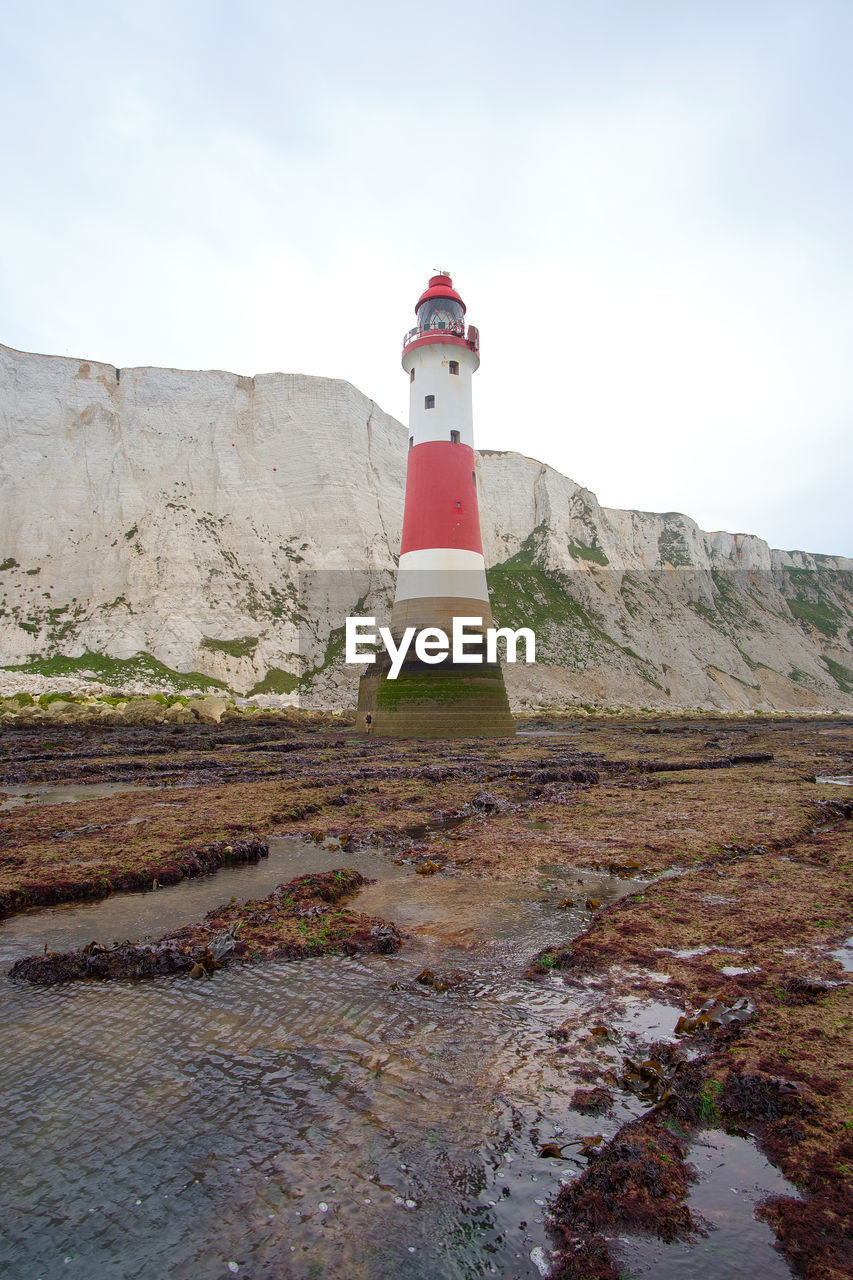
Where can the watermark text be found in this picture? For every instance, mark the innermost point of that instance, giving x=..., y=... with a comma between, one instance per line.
x=433, y=645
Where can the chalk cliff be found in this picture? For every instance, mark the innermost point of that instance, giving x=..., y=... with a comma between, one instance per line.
x=226, y=525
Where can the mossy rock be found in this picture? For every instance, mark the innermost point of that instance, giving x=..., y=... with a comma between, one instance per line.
x=47, y=698
x=22, y=699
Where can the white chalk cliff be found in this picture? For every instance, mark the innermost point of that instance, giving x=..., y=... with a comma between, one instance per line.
x=226, y=525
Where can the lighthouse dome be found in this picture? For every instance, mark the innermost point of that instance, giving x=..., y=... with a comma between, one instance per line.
x=440, y=306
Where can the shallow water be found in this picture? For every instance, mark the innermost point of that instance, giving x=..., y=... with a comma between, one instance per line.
x=20, y=797
x=329, y=1118
x=171, y=1127
x=844, y=955
x=843, y=780
x=733, y=1178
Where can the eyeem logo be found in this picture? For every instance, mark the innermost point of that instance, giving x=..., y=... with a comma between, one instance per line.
x=432, y=644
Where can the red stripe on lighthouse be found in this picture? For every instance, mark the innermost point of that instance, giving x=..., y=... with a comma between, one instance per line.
x=441, y=498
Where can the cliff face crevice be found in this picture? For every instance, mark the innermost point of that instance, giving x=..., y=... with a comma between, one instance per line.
x=227, y=525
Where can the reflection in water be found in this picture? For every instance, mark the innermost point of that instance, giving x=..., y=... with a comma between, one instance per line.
x=331, y=1118
x=21, y=797
x=733, y=1178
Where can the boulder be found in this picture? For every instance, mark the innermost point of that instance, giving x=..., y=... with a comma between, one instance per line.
x=178, y=714
x=60, y=710
x=112, y=715
x=145, y=711
x=208, y=710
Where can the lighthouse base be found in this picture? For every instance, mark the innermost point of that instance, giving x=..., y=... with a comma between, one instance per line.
x=447, y=700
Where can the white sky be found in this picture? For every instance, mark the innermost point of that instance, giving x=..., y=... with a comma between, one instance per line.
x=646, y=204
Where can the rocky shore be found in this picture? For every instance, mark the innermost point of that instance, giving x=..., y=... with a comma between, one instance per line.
x=744, y=923
x=294, y=922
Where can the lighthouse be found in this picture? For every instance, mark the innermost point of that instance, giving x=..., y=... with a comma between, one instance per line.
x=442, y=572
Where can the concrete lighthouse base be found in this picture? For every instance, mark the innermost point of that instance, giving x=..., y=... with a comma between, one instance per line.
x=450, y=700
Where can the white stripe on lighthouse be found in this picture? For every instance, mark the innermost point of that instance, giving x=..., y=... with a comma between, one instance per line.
x=442, y=572
x=442, y=559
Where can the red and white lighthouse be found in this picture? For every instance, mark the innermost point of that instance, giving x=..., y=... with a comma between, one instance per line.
x=442, y=571
x=441, y=554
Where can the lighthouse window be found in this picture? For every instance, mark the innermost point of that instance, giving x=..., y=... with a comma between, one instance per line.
x=454, y=437
x=411, y=441
x=412, y=376
x=429, y=402
x=454, y=366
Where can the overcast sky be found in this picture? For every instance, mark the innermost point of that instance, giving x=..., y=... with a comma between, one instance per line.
x=646, y=204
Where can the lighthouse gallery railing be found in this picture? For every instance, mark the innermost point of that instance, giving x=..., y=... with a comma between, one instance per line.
x=456, y=329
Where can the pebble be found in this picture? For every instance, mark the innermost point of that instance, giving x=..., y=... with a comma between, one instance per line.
x=323, y=1207
x=233, y=1267
x=540, y=1260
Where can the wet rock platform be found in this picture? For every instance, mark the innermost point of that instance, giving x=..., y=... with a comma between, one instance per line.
x=746, y=910
x=294, y=922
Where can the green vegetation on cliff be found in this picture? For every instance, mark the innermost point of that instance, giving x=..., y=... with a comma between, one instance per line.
x=140, y=669
x=241, y=647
